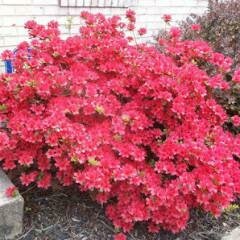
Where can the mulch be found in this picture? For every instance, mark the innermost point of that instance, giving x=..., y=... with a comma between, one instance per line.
x=67, y=214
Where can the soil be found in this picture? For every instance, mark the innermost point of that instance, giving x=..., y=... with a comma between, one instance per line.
x=67, y=214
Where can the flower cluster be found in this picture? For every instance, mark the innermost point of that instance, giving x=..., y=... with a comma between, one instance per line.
x=137, y=126
x=11, y=192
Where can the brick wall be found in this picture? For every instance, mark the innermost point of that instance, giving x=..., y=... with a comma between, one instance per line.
x=14, y=13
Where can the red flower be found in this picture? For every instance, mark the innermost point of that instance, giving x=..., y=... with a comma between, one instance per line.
x=27, y=179
x=11, y=192
x=120, y=236
x=196, y=27
x=25, y=158
x=62, y=164
x=44, y=181
x=236, y=120
x=131, y=15
x=236, y=76
x=7, y=55
x=4, y=139
x=130, y=26
x=142, y=31
x=30, y=24
x=175, y=32
x=133, y=123
x=167, y=18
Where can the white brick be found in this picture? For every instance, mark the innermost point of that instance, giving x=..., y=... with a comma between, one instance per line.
x=8, y=31
x=64, y=3
x=154, y=25
x=75, y=11
x=140, y=10
x=181, y=10
x=94, y=3
x=14, y=20
x=117, y=11
x=29, y=10
x=156, y=10
x=174, y=3
x=107, y=2
x=178, y=18
x=62, y=20
x=16, y=2
x=7, y=10
x=88, y=2
x=3, y=48
x=101, y=3
x=45, y=19
x=44, y=2
x=22, y=31
x=102, y=10
x=149, y=14
x=147, y=18
x=79, y=2
x=2, y=41
x=146, y=3
x=72, y=3
x=2, y=69
x=64, y=36
x=14, y=41
x=55, y=10
x=131, y=3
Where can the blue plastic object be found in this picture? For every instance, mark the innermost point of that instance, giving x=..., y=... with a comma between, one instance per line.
x=8, y=66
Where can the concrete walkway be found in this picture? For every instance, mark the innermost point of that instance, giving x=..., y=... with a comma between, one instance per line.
x=11, y=211
x=233, y=235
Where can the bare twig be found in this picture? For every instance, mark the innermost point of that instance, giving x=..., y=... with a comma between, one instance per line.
x=25, y=234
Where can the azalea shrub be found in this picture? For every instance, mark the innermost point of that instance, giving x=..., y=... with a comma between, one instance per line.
x=135, y=126
x=220, y=26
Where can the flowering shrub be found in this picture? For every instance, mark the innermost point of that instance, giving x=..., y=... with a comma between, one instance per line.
x=220, y=27
x=136, y=126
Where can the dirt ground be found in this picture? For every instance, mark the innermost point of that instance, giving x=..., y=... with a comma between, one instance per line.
x=67, y=214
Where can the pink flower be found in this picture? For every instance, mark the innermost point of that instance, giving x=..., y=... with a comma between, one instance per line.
x=30, y=24
x=25, y=158
x=11, y=192
x=120, y=236
x=62, y=164
x=130, y=39
x=133, y=123
x=236, y=76
x=236, y=120
x=142, y=31
x=130, y=26
x=175, y=32
x=131, y=15
x=167, y=18
x=44, y=181
x=223, y=63
x=4, y=139
x=7, y=55
x=27, y=179
x=196, y=27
